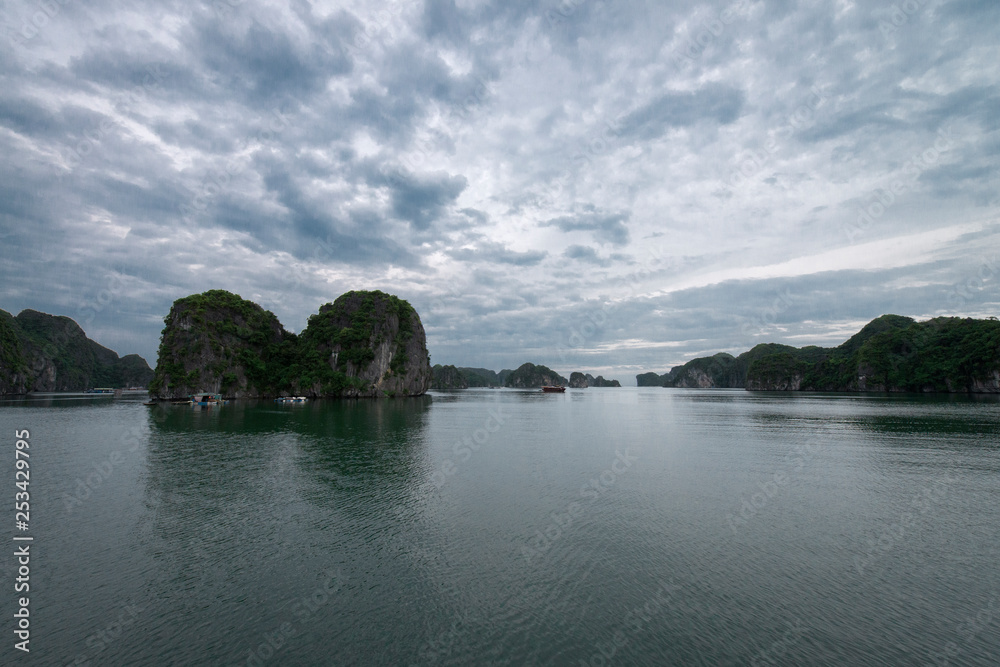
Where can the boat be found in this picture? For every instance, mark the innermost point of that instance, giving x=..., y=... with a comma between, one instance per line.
x=207, y=399
x=549, y=389
x=291, y=399
x=99, y=390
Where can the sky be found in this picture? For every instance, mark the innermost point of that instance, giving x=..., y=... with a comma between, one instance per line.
x=611, y=187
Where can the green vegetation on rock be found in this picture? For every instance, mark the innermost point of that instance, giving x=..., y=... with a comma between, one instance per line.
x=448, y=377
x=41, y=352
x=533, y=376
x=891, y=353
x=362, y=344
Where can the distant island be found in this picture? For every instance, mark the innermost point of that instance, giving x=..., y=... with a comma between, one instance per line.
x=364, y=344
x=891, y=353
x=526, y=376
x=42, y=352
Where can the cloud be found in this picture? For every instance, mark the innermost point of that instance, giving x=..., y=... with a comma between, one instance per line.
x=511, y=168
x=714, y=104
x=490, y=253
x=606, y=227
x=422, y=200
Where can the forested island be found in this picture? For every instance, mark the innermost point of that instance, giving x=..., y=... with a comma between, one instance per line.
x=365, y=343
x=42, y=352
x=891, y=353
x=525, y=376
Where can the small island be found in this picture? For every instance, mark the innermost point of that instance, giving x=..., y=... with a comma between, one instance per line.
x=364, y=344
x=526, y=376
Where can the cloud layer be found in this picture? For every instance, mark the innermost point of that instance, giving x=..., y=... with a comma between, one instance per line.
x=611, y=187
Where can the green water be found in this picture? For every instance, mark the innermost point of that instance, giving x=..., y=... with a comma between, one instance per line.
x=626, y=526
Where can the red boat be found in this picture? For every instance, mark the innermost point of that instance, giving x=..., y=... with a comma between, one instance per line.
x=553, y=390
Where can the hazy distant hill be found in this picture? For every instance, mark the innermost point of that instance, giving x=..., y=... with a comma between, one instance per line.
x=891, y=353
x=41, y=352
x=532, y=376
x=447, y=377
x=578, y=380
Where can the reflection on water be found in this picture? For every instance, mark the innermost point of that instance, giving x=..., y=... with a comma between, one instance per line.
x=225, y=523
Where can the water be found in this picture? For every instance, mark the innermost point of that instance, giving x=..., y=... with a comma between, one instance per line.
x=636, y=526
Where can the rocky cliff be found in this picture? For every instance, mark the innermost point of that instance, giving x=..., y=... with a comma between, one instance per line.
x=14, y=373
x=362, y=344
x=218, y=342
x=42, y=352
x=372, y=343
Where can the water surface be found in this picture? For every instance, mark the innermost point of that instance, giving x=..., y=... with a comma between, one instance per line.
x=637, y=526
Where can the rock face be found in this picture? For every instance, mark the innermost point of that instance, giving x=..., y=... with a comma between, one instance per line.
x=530, y=376
x=375, y=340
x=363, y=344
x=448, y=377
x=217, y=342
x=720, y=370
x=578, y=380
x=41, y=352
x=14, y=375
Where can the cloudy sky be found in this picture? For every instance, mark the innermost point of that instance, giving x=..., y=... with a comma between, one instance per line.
x=606, y=186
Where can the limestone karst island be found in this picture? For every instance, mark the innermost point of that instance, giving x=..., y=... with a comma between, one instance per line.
x=890, y=354
x=372, y=344
x=362, y=344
